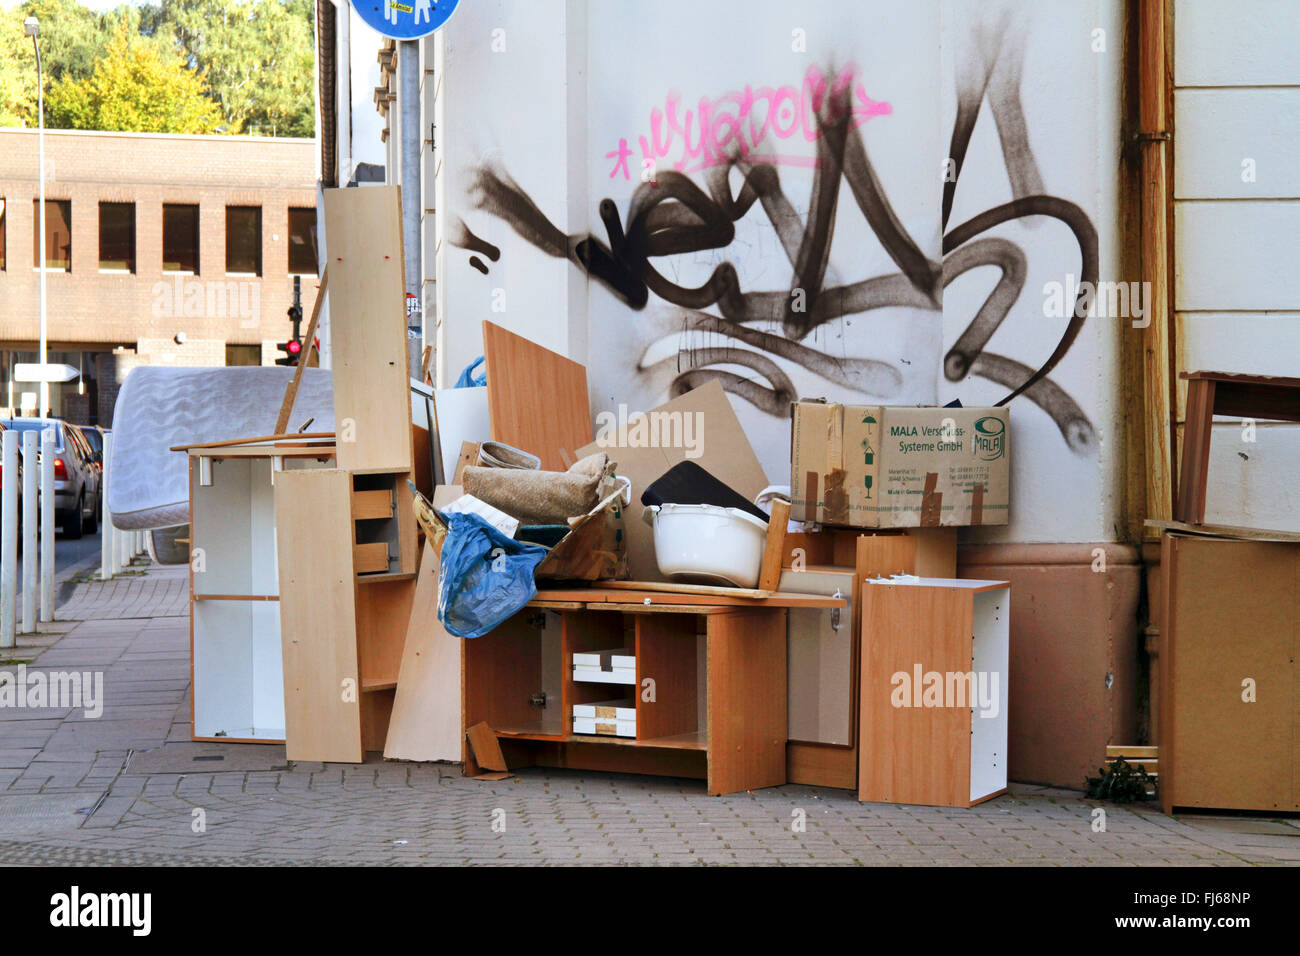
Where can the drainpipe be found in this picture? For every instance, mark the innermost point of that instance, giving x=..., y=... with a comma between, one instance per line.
x=408, y=102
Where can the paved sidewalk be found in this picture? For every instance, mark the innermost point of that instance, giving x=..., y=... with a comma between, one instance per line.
x=130, y=788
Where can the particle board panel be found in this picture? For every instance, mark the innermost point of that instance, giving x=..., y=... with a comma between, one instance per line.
x=1232, y=614
x=383, y=615
x=819, y=765
x=425, y=724
x=318, y=616
x=746, y=700
x=913, y=754
x=367, y=300
x=368, y=505
x=537, y=399
x=666, y=652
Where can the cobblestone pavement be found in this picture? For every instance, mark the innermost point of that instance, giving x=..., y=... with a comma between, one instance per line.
x=131, y=788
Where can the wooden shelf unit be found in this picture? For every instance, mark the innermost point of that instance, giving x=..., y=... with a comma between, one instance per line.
x=917, y=750
x=236, y=668
x=710, y=693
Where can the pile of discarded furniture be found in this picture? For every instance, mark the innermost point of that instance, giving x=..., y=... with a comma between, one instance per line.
x=471, y=574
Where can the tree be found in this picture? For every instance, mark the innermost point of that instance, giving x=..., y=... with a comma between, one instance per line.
x=257, y=56
x=137, y=85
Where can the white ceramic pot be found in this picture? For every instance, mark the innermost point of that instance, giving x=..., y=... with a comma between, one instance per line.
x=720, y=545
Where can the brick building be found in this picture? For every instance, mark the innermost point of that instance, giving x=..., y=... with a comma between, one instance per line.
x=160, y=249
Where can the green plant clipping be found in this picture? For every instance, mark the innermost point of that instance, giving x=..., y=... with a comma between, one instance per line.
x=1121, y=782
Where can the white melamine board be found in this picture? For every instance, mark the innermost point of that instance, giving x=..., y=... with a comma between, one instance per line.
x=268, y=666
x=1240, y=43
x=1235, y=256
x=819, y=661
x=1219, y=129
x=222, y=528
x=462, y=415
x=991, y=655
x=1252, y=483
x=238, y=690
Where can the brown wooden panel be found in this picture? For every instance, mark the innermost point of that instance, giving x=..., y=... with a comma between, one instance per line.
x=367, y=312
x=426, y=708
x=746, y=700
x=376, y=709
x=537, y=399
x=666, y=652
x=383, y=614
x=367, y=505
x=1234, y=612
x=913, y=754
x=318, y=615
x=371, y=558
x=502, y=668
x=817, y=765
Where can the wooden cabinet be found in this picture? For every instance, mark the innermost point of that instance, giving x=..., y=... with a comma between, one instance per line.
x=1229, y=701
x=235, y=652
x=710, y=693
x=935, y=654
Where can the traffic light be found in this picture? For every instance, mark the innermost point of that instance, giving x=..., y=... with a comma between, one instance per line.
x=291, y=349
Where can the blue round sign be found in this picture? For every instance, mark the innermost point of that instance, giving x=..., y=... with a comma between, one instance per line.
x=405, y=19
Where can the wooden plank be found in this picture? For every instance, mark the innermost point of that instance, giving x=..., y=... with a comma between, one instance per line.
x=913, y=754
x=1225, y=531
x=770, y=571
x=672, y=587
x=746, y=700
x=537, y=399
x=278, y=437
x=367, y=299
x=369, y=505
x=818, y=765
x=426, y=710
x=370, y=558
x=468, y=456
x=657, y=599
x=1195, y=466
x=487, y=752
x=318, y=616
x=666, y=654
x=304, y=357
x=1131, y=752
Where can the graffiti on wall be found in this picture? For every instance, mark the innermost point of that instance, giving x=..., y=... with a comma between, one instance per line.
x=671, y=213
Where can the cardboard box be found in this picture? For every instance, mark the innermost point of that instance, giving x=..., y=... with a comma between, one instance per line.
x=888, y=466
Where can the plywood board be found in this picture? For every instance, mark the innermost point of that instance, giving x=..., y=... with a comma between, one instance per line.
x=537, y=399
x=368, y=341
x=487, y=752
x=426, y=709
x=318, y=615
x=719, y=446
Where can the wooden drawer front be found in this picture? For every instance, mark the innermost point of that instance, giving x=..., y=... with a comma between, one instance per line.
x=370, y=558
x=368, y=505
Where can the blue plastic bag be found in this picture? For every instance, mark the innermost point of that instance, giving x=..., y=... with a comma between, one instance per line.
x=467, y=377
x=486, y=577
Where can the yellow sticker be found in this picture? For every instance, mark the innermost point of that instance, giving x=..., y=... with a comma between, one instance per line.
x=401, y=6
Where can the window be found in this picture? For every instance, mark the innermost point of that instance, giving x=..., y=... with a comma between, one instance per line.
x=180, y=238
x=302, y=242
x=117, y=237
x=244, y=240
x=58, y=235
x=243, y=355
x=2, y=235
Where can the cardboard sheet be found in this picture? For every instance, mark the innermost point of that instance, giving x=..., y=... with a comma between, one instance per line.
x=700, y=425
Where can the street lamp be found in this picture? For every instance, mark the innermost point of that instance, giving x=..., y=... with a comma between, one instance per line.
x=32, y=27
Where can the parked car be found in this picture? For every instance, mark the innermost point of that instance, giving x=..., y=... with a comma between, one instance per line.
x=76, y=477
x=94, y=436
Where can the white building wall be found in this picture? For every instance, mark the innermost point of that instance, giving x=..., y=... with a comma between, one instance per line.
x=542, y=106
x=1237, y=219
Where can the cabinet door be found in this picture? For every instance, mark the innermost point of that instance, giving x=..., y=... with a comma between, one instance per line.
x=318, y=615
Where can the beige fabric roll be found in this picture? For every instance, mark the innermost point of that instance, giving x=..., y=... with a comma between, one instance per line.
x=541, y=497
